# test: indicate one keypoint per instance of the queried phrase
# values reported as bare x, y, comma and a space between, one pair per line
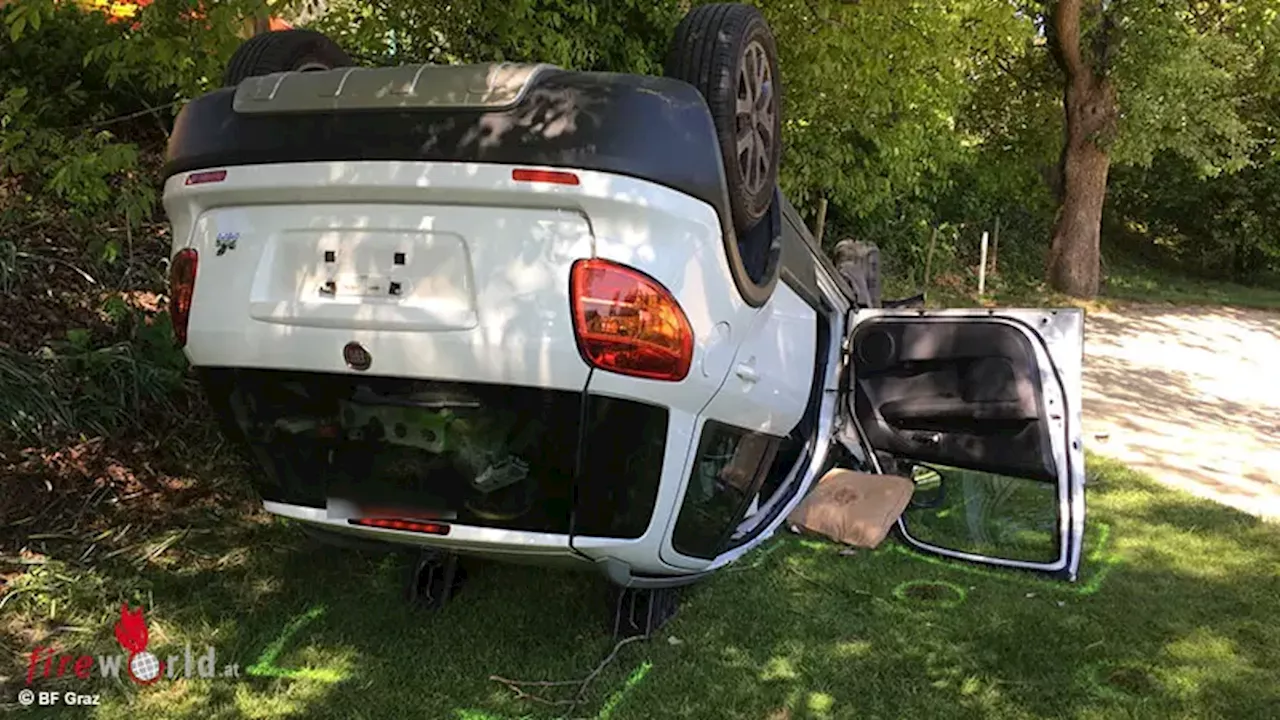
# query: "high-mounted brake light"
557, 177
208, 176
182, 284
406, 525
628, 323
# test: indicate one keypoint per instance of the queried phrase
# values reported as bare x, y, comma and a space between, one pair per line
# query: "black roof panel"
652, 128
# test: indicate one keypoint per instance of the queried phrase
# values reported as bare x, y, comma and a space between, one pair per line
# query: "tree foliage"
616, 35
906, 115
874, 91
1190, 79
1144, 78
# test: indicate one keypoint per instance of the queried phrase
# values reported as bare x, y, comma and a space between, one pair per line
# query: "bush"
1222, 227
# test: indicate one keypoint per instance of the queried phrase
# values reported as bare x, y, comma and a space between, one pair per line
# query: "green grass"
1150, 285
1126, 282
1175, 616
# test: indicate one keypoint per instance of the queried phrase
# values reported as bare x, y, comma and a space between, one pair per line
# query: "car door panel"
767, 387
937, 390
995, 397
745, 427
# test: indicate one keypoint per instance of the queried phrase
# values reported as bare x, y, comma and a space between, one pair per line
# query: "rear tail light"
405, 525
556, 177
207, 176
182, 283
626, 322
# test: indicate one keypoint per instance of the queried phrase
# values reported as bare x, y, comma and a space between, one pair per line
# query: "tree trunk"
1089, 104
1075, 252
821, 225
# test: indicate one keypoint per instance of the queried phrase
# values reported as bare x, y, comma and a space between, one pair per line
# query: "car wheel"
284, 51
727, 51
859, 262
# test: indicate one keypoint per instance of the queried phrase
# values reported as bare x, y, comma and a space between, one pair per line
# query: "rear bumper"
491, 543
524, 548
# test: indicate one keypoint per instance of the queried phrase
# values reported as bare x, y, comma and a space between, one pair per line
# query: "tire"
859, 262
283, 51
727, 51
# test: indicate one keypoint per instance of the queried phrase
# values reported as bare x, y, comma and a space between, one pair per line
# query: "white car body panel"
259, 305
508, 545
768, 383
779, 351
520, 327
502, 315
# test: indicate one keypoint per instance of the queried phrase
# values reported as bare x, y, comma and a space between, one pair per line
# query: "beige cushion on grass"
852, 507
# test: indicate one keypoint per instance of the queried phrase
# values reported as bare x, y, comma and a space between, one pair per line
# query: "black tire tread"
280, 50
696, 60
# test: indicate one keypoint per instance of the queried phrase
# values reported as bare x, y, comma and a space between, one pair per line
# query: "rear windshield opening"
472, 454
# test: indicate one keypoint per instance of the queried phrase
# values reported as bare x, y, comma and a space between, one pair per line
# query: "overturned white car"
567, 317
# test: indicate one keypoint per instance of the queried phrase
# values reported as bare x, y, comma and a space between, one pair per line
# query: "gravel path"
1191, 396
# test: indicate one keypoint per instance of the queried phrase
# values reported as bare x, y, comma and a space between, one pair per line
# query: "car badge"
226, 241
356, 356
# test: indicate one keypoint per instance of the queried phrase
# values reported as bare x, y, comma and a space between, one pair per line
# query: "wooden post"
928, 258
995, 246
262, 18
821, 225
982, 268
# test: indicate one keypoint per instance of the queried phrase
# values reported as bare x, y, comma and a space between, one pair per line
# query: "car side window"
984, 513
726, 475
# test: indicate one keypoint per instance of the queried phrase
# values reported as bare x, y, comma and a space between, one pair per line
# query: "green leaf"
110, 252
79, 338
17, 22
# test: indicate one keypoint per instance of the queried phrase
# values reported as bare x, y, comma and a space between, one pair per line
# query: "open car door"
981, 408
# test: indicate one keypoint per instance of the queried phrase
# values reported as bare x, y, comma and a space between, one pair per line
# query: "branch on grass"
517, 686
514, 686
837, 590
60, 261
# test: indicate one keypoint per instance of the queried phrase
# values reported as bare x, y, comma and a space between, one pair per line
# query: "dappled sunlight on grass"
179, 698
1146, 284
778, 668
1123, 284
850, 649
820, 704
1013, 645
294, 698
1203, 658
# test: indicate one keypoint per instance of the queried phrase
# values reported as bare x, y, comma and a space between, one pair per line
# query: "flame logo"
131, 630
